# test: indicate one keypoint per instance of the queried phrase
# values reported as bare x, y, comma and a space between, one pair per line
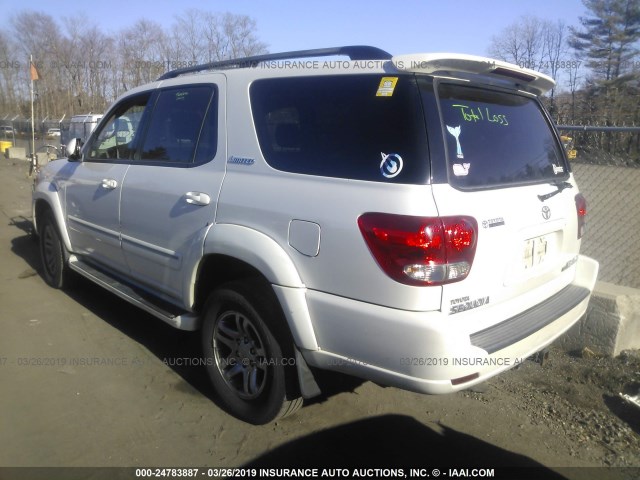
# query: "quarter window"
363, 127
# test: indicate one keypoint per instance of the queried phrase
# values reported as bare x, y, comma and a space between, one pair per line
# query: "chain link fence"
613, 220
17, 131
604, 145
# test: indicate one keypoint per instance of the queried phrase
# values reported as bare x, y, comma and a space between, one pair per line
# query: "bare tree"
554, 48
10, 91
188, 34
520, 43
213, 38
140, 54
240, 39
573, 71
38, 34
203, 37
83, 69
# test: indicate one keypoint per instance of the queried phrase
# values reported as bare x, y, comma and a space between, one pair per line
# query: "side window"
361, 127
176, 128
118, 136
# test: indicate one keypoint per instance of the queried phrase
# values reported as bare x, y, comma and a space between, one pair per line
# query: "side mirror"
74, 148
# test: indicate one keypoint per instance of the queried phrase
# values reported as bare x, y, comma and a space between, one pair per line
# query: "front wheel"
249, 353
54, 269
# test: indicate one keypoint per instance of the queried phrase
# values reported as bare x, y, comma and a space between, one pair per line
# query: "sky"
400, 26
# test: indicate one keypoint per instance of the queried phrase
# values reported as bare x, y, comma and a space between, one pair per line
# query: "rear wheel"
250, 353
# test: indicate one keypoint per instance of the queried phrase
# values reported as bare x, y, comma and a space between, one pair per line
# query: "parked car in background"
53, 132
6, 131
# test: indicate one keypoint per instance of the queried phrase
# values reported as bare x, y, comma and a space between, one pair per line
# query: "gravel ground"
576, 395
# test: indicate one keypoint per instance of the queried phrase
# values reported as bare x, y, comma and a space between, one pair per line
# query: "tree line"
81, 69
596, 65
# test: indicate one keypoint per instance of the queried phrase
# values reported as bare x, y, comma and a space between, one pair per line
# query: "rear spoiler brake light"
448, 63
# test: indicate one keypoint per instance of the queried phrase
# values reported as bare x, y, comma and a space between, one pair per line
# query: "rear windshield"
497, 139
362, 127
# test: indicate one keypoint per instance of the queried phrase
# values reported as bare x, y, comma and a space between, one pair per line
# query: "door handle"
109, 183
197, 198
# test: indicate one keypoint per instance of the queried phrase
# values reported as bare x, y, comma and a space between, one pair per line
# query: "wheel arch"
43, 203
234, 252
217, 269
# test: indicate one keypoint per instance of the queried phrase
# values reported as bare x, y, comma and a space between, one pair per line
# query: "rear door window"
363, 127
177, 124
497, 139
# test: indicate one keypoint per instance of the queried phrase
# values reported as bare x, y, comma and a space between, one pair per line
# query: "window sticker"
391, 165
456, 131
557, 169
387, 86
461, 169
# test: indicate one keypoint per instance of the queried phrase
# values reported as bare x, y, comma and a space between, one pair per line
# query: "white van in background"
80, 126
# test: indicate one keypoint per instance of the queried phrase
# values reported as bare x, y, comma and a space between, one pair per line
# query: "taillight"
581, 209
421, 250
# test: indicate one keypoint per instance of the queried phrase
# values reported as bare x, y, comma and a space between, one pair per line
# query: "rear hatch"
501, 163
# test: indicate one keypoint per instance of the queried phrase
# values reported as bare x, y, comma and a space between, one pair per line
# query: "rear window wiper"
561, 186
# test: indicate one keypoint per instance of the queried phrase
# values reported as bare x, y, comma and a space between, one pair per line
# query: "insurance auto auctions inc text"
374, 472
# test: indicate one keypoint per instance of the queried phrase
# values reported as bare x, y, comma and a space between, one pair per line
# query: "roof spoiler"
446, 63
354, 52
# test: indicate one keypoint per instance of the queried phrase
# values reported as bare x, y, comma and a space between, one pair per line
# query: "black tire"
54, 265
249, 353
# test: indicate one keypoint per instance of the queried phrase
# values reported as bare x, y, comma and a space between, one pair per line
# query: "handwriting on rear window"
481, 114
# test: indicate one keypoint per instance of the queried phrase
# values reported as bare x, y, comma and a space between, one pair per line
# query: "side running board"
168, 313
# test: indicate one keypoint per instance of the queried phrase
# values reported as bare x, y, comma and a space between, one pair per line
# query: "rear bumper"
428, 352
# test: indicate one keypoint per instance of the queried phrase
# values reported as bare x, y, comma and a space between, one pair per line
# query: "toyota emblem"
546, 212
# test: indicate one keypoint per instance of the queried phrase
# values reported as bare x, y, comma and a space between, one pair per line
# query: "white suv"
412, 220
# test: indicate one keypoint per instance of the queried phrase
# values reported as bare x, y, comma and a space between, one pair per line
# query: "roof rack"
354, 52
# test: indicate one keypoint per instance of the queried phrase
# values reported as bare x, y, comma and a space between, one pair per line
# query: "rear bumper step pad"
530, 321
